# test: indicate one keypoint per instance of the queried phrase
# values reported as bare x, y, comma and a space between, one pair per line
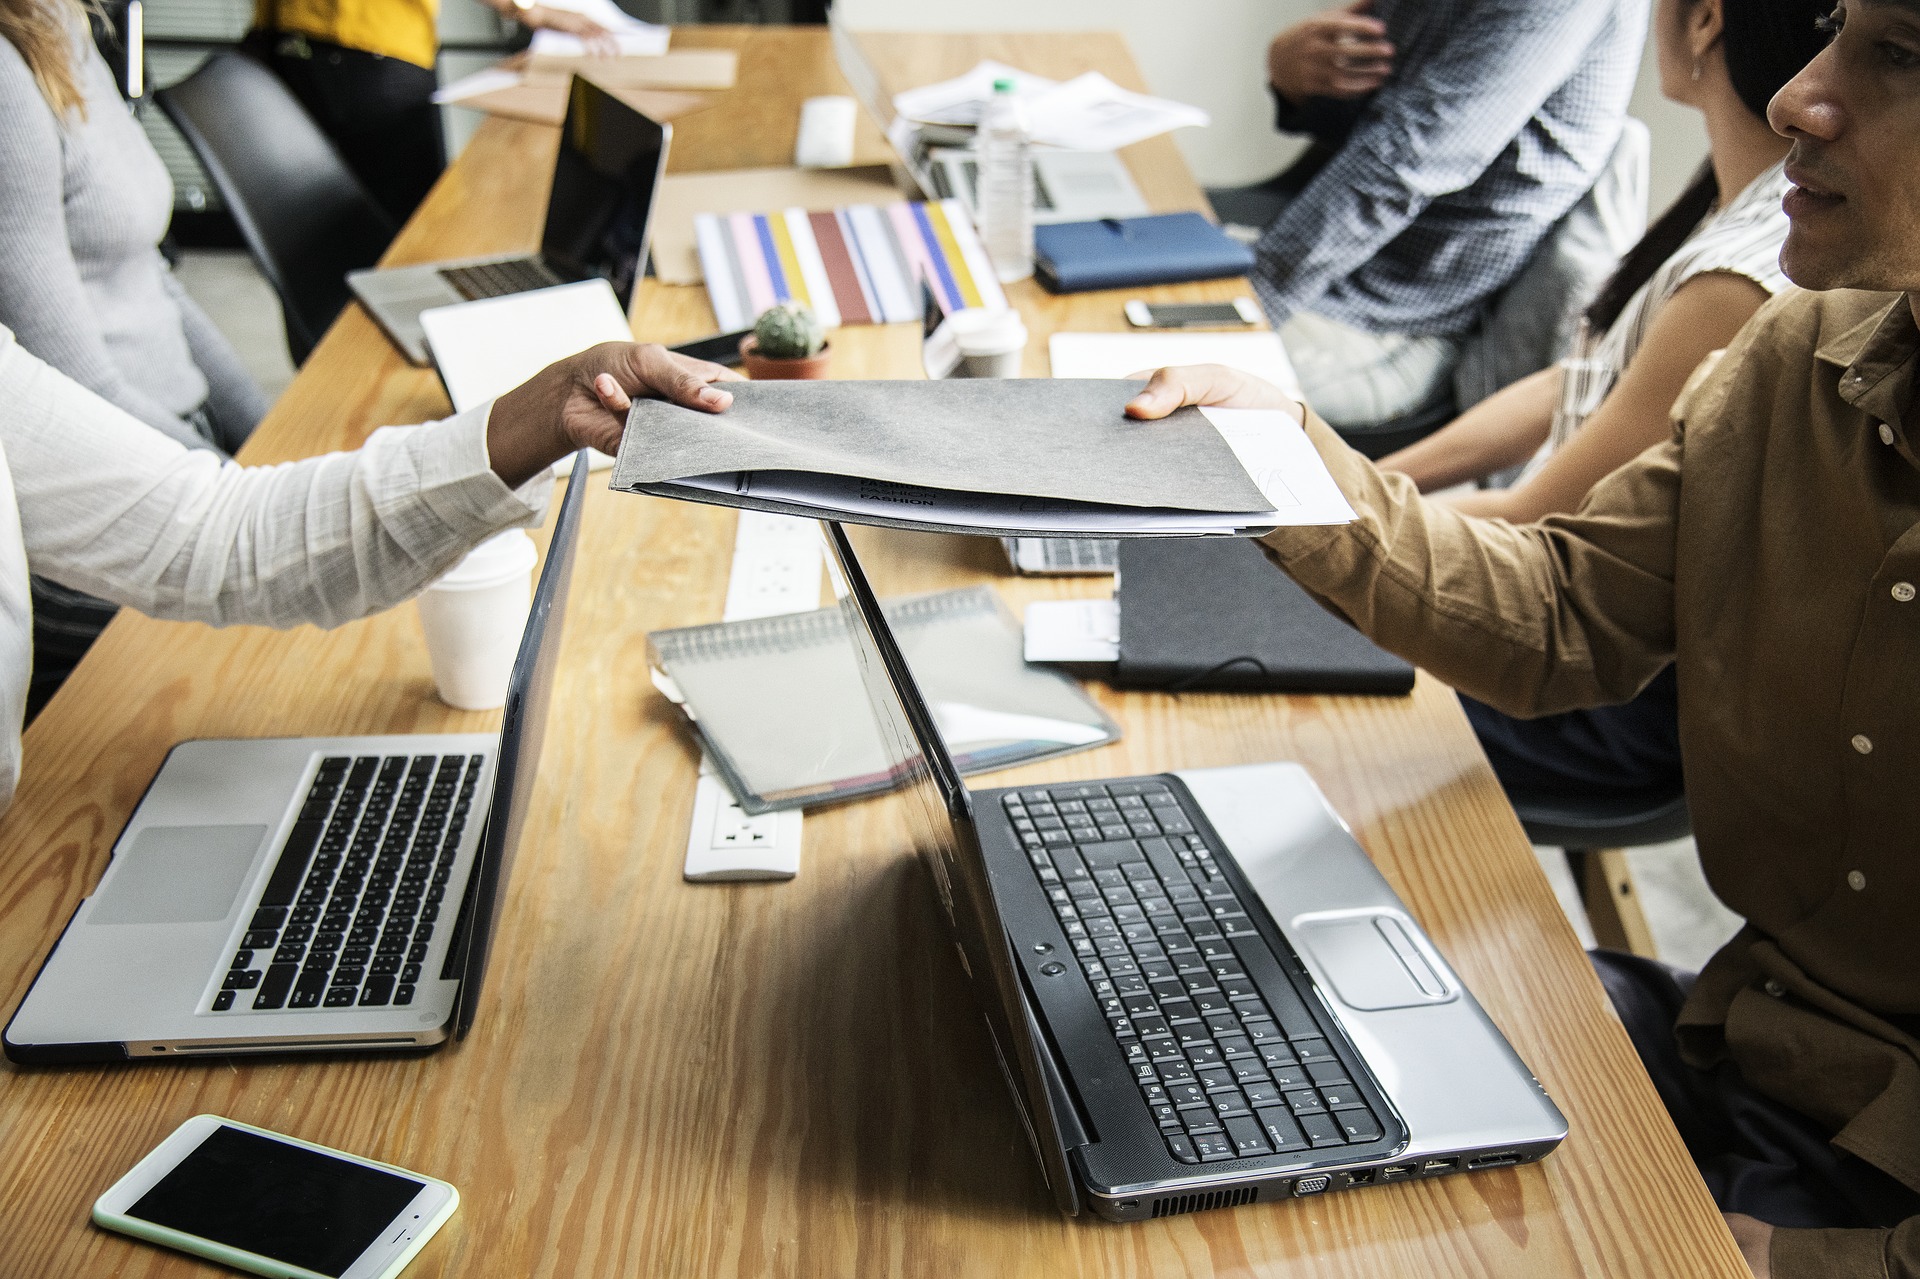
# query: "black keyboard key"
1110, 854
1275, 1055
341, 996
1233, 1102
1181, 1148
378, 992
1262, 1093
349, 975
241, 979
1326, 1072
1212, 1146
1247, 1069
223, 1001
260, 940
1203, 1054
1358, 1125
403, 994
275, 985
1341, 1097
268, 918
1235, 1047
1321, 1130
1165, 1115
1305, 1101
1247, 1136
292, 866
1150, 1027
1281, 1131
1164, 1050
1238, 926
242, 959
1312, 1050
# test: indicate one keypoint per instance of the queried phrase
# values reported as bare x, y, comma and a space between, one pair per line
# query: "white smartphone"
273, 1205
1192, 315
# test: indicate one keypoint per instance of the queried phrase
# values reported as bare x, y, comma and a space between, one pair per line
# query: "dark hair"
1766, 43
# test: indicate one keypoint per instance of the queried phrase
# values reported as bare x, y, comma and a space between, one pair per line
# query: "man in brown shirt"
1771, 550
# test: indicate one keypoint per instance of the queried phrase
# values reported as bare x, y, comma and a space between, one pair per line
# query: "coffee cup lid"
984, 332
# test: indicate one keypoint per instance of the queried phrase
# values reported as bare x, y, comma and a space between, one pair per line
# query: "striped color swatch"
857, 265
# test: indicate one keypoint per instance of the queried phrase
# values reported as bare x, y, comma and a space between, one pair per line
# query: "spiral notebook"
779, 705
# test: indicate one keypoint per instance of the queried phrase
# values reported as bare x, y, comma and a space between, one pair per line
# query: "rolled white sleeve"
111, 507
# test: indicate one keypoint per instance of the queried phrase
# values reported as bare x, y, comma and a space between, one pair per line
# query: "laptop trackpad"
178, 875
1371, 963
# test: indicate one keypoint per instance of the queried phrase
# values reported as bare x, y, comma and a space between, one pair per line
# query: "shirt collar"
1878, 356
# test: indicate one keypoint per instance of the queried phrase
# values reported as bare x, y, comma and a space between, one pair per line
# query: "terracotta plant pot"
765, 369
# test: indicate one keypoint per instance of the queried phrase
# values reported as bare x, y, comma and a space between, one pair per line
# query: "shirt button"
1856, 881
1903, 591
1886, 433
1774, 988
1863, 743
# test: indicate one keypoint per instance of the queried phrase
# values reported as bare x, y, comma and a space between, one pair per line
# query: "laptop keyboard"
1229, 1071
498, 279
352, 903
1091, 554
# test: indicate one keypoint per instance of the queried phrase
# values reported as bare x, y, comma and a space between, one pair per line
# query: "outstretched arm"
109, 507
1574, 612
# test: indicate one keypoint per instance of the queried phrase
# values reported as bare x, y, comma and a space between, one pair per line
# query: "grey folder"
960, 452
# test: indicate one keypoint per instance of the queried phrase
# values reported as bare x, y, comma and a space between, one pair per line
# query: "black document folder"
1214, 613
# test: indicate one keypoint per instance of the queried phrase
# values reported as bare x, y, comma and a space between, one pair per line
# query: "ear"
1706, 23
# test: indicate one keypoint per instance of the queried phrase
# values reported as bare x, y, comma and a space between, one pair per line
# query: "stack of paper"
1087, 113
632, 37
1005, 457
857, 265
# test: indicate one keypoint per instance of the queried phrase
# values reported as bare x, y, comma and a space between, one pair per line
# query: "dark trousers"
1613, 749
1757, 1156
377, 110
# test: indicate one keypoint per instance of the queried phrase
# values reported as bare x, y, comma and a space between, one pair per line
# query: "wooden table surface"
787, 1078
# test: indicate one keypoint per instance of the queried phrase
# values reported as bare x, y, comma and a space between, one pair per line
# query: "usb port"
1362, 1178
1494, 1161
1433, 1166
1391, 1171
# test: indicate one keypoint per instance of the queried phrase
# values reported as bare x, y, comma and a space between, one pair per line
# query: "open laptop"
605, 180
1200, 989
295, 894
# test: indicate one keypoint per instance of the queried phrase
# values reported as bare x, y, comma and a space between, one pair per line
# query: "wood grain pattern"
773, 1079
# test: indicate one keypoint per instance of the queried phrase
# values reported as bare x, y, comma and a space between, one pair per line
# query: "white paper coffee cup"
990, 342
474, 617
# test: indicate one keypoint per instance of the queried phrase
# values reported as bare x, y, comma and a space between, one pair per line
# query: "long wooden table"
776, 1079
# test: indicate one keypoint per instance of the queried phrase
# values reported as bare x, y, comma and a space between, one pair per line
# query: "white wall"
1212, 53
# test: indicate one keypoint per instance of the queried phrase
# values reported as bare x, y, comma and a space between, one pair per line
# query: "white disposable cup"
474, 617
991, 343
825, 137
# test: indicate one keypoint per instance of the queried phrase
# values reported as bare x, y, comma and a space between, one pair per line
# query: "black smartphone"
721, 348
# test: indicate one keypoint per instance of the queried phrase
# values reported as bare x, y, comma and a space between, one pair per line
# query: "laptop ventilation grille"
1177, 1204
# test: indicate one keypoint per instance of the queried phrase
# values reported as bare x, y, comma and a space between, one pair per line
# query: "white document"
486, 348
635, 38
1092, 113
492, 80
1121, 355
964, 725
961, 100
1073, 631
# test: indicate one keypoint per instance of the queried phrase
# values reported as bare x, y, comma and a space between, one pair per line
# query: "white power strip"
776, 569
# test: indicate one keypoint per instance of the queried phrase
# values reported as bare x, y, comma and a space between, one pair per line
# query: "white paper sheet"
1124, 354
492, 80
1072, 631
1092, 113
635, 38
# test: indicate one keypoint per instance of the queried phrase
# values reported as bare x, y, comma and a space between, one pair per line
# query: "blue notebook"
1119, 253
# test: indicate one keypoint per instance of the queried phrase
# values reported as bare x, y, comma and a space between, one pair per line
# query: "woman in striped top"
1697, 276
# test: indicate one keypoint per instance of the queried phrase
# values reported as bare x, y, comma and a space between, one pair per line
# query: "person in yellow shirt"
364, 70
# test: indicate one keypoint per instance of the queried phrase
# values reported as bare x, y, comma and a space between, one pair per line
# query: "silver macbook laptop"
1062, 556
605, 180
1068, 186
1200, 990
299, 894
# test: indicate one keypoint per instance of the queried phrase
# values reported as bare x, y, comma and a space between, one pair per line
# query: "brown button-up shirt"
1771, 549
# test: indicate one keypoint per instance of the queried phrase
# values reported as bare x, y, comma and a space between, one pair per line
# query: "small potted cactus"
787, 342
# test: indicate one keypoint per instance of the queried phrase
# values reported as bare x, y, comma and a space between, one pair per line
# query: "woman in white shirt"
97, 501
1697, 276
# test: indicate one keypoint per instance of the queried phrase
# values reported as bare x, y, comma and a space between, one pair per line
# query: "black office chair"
1595, 831
304, 216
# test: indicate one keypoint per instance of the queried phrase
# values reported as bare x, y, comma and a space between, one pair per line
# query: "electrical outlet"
777, 563
726, 843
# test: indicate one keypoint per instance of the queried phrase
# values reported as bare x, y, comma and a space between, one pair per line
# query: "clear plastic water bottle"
1006, 183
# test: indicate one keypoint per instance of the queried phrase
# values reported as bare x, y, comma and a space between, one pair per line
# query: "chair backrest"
1532, 323
305, 217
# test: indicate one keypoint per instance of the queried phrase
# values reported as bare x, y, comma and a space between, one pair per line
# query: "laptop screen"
941, 816
523, 729
604, 182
